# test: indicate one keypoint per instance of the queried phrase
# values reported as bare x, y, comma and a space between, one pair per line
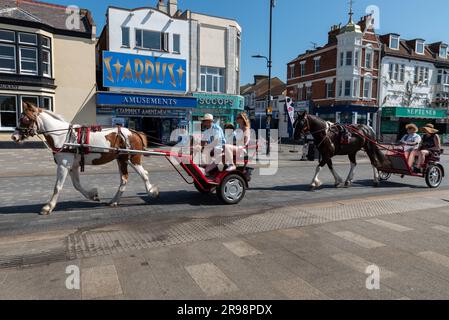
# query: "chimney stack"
172, 7
161, 6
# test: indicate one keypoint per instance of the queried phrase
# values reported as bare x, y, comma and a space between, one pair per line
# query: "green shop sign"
219, 101
427, 113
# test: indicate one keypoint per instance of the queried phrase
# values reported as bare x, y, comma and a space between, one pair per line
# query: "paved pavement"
281, 242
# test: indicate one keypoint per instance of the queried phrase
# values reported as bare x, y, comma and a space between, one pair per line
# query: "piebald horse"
327, 138
57, 132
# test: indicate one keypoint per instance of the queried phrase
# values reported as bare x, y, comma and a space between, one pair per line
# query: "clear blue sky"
297, 23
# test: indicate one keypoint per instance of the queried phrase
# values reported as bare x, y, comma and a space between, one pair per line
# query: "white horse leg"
75, 176
350, 177
315, 181
152, 191
376, 176
123, 167
338, 179
62, 172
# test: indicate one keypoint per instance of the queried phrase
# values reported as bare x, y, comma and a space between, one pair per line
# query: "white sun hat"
207, 116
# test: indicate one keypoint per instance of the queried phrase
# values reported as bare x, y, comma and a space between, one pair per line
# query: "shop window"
8, 112
151, 40
7, 58
212, 80
28, 61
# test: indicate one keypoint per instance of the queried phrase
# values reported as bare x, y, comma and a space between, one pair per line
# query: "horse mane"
54, 115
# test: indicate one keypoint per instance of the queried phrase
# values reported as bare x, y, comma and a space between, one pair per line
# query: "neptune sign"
143, 72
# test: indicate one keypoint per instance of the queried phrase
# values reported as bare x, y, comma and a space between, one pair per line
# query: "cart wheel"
384, 176
200, 190
232, 189
434, 176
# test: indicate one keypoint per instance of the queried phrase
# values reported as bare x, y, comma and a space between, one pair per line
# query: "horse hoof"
113, 204
96, 198
45, 211
154, 192
348, 184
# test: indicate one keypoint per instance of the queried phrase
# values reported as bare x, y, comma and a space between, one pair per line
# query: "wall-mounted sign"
401, 112
108, 99
149, 112
122, 70
219, 101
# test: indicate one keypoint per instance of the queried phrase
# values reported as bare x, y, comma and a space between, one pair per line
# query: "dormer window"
419, 49
394, 42
443, 51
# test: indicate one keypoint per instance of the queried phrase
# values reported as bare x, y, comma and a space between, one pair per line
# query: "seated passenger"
411, 143
430, 143
212, 141
242, 137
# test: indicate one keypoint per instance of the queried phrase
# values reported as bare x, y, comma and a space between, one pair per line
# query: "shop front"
156, 116
223, 107
394, 120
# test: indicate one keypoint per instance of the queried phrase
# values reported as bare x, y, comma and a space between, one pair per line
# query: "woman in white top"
411, 143
242, 137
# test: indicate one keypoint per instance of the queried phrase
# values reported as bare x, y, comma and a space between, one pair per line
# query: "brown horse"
330, 141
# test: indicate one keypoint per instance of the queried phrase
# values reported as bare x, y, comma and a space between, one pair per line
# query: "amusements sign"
122, 70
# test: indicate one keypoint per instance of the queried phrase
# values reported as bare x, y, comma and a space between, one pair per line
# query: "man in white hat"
213, 140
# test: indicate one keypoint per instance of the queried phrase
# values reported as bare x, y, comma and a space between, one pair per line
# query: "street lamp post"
269, 109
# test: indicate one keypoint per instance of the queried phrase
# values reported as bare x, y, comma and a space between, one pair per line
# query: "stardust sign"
121, 70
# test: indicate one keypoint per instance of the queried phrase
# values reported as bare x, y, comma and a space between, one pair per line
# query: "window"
8, 112
46, 63
347, 88
440, 77
391, 71
367, 88
329, 90
299, 96
47, 103
422, 75
46, 42
151, 40
394, 42
355, 90
356, 58
303, 68
212, 79
316, 65
28, 61
419, 47
176, 43
309, 93
125, 37
292, 71
342, 59
340, 88
27, 38
7, 58
443, 52
402, 72
349, 58
368, 59
7, 36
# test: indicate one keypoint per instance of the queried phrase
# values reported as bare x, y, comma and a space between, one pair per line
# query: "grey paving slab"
211, 279
101, 281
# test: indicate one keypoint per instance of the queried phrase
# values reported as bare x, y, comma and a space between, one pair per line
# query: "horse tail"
375, 154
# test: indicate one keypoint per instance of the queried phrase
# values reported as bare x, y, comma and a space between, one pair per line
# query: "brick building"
340, 80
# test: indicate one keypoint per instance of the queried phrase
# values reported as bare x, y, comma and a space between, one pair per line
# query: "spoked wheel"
232, 189
434, 176
384, 176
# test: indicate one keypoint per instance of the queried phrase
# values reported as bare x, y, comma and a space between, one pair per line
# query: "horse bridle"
26, 130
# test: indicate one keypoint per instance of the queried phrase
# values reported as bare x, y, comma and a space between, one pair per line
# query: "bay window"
8, 112
367, 88
7, 58
368, 59
349, 58
28, 60
347, 88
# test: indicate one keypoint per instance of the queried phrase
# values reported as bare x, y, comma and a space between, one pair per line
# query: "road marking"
435, 258
441, 228
241, 249
99, 282
359, 264
210, 279
389, 225
298, 289
293, 233
359, 240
